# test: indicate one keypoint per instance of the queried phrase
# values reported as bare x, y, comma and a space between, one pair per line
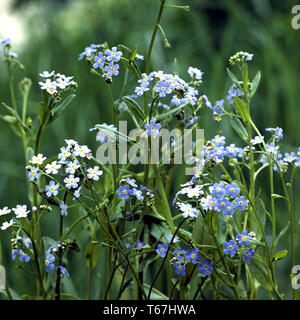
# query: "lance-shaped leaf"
239, 128
57, 110
134, 107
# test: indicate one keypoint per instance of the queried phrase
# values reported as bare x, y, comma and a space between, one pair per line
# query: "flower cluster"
139, 245
232, 247
54, 83
130, 188
181, 257
240, 57
6, 43
224, 197
165, 84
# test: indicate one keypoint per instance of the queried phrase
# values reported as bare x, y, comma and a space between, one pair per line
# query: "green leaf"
280, 255
255, 84
260, 273
234, 79
160, 232
9, 119
91, 254
200, 233
282, 234
57, 110
135, 107
262, 213
167, 114
15, 114
146, 261
242, 109
239, 128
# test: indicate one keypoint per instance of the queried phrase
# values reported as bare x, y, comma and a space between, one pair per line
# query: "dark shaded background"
57, 31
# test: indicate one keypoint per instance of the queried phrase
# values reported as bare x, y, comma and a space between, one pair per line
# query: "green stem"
162, 3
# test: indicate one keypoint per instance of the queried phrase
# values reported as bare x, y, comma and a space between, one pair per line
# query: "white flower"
257, 140
52, 168
62, 83
52, 89
71, 142
4, 211
39, 159
71, 182
46, 74
21, 211
64, 154
195, 72
6, 224
51, 189
195, 192
94, 173
72, 166
81, 151
47, 84
188, 211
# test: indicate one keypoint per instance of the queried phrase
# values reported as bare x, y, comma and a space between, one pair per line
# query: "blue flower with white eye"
231, 151
128, 245
179, 268
218, 189
241, 203
205, 268
141, 90
64, 271
180, 254
99, 61
244, 237
218, 141
176, 101
226, 206
14, 254
88, 51
153, 128
289, 157
64, 208
49, 263
112, 69
163, 88
272, 149
162, 250
125, 192
230, 248
138, 194
27, 242
193, 255
218, 107
113, 54
232, 190
192, 121
131, 182
233, 92
278, 132
146, 79
24, 256
34, 174
248, 255
140, 245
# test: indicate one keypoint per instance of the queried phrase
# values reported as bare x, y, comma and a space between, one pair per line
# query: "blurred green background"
53, 33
